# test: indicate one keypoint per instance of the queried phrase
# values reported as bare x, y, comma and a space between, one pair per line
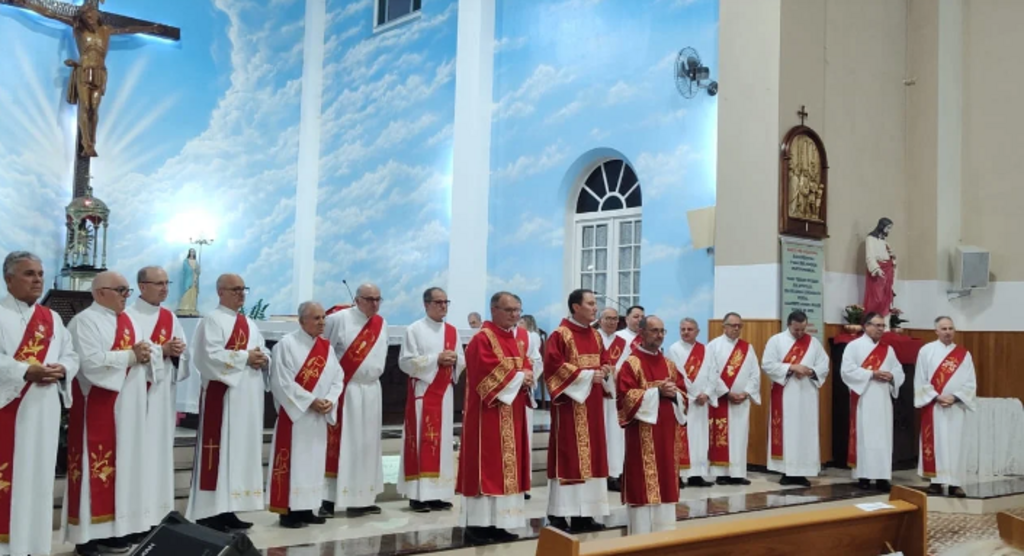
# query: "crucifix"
211, 450
803, 114
92, 30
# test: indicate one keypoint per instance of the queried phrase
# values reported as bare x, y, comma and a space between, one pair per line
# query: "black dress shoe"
439, 505
419, 507
478, 535
232, 521
786, 481
291, 521
614, 484
526, 496
722, 481
682, 483
559, 523
802, 481
739, 481
216, 523
883, 486
87, 549
114, 545
585, 525
372, 510
307, 516
326, 509
698, 482
934, 489
355, 513
136, 538
957, 492
864, 483
501, 535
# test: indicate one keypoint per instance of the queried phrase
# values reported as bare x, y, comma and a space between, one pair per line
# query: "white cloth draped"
614, 435
36, 429
993, 438
424, 341
874, 409
92, 333
360, 473
161, 417
308, 450
697, 415
748, 381
240, 471
800, 449
950, 458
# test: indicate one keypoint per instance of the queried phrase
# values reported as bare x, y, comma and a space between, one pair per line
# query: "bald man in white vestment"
37, 364
874, 375
703, 391
306, 381
797, 366
432, 356
161, 326
106, 498
944, 390
355, 474
233, 361
739, 375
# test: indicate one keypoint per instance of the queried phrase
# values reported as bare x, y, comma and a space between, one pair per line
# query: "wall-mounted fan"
692, 76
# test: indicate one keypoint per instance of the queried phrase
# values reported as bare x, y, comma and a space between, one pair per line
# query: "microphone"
613, 300
349, 291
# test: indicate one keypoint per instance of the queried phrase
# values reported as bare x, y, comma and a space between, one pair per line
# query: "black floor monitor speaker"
176, 536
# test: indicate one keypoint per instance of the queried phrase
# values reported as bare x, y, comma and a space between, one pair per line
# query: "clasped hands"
143, 352
174, 347
321, 406
602, 373
946, 400
447, 358
738, 397
665, 388
801, 371
881, 376
257, 359
44, 374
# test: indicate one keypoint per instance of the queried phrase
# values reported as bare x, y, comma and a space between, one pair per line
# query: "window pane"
382, 12
602, 259
624, 288
625, 258
625, 233
588, 281
637, 236
587, 264
636, 257
612, 203
398, 8
636, 283
601, 284
588, 236
602, 235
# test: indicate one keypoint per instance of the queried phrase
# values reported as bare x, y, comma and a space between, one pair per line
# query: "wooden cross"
89, 77
803, 114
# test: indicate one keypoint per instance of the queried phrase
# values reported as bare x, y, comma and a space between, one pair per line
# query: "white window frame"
415, 14
612, 219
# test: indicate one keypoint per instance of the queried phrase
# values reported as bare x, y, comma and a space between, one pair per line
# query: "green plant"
257, 311
894, 318
854, 314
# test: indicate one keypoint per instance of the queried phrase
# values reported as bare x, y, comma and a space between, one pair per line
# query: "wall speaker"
970, 268
176, 536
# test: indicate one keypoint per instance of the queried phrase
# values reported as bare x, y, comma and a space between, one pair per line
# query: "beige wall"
993, 192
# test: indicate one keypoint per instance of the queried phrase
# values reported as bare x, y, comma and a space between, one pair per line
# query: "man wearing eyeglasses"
162, 328
105, 502
738, 374
874, 375
354, 473
232, 359
432, 357
37, 364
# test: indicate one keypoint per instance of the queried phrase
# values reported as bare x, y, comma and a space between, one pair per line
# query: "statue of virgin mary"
190, 286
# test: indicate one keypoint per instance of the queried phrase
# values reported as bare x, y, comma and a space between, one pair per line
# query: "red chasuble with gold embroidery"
940, 379
649, 473
577, 449
494, 459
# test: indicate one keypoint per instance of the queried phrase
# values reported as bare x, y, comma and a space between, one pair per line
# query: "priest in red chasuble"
652, 410
494, 462
37, 365
577, 456
944, 390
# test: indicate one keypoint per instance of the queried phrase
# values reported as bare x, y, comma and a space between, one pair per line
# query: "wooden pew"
845, 531
1011, 529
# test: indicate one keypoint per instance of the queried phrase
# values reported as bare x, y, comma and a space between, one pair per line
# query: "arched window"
607, 231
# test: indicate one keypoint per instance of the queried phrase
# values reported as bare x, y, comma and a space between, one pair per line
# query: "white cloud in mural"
539, 231
551, 314
506, 44
521, 101
660, 171
353, 7
517, 284
696, 303
565, 112
655, 252
660, 119
599, 134
398, 131
444, 134
529, 165
621, 92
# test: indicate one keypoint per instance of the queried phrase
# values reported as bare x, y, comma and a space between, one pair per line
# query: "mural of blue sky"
196, 139
386, 153
578, 79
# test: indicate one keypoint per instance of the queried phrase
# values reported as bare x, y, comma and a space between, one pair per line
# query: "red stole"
615, 349
718, 452
163, 330
427, 463
692, 368
872, 363
307, 377
350, 362
794, 356
94, 415
940, 379
213, 412
35, 344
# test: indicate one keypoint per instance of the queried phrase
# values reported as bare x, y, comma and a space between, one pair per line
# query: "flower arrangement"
854, 314
894, 319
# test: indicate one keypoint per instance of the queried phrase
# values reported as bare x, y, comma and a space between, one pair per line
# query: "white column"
471, 167
309, 150
950, 131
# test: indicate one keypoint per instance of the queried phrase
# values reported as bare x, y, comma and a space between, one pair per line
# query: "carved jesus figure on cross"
92, 30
